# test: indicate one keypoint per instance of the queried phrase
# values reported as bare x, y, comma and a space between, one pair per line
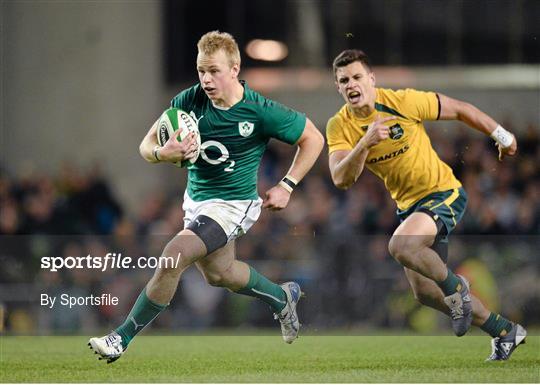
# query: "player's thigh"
217, 262
418, 223
417, 231
180, 252
186, 246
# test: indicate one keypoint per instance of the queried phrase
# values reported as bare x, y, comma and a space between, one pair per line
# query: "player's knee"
172, 261
402, 248
219, 277
216, 279
175, 256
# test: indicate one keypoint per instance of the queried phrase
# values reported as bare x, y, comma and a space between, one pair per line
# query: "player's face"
216, 75
356, 84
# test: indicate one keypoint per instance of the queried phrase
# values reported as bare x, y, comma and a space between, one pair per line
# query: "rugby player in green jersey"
221, 201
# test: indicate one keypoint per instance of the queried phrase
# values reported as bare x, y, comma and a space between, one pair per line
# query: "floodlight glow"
267, 50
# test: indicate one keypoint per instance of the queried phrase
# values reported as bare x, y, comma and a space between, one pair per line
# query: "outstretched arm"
453, 109
310, 146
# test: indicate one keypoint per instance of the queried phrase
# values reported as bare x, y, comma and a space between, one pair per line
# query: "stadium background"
83, 81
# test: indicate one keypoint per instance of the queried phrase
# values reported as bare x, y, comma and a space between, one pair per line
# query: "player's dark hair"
350, 56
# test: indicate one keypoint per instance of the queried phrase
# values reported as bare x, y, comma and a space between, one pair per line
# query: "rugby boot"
288, 317
108, 347
460, 307
503, 347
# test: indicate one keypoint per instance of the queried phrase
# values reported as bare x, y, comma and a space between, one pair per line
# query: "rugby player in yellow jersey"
382, 130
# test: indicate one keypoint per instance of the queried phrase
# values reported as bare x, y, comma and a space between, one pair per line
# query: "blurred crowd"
502, 196
324, 235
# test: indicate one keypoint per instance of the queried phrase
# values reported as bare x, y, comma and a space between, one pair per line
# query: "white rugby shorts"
234, 217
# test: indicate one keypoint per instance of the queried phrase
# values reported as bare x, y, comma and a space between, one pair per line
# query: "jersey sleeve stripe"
438, 106
388, 110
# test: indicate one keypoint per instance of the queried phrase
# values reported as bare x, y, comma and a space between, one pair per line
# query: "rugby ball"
172, 120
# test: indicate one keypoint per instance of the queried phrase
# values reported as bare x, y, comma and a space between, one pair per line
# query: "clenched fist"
376, 132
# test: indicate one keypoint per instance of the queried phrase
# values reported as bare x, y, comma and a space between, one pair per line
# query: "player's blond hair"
213, 41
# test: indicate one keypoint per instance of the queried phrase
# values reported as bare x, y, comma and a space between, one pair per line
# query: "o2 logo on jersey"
224, 157
396, 132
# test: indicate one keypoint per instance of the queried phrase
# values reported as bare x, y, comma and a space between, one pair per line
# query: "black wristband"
289, 182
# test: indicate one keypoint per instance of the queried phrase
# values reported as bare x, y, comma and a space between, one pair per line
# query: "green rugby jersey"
233, 141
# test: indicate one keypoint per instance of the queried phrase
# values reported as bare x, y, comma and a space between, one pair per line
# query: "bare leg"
410, 247
162, 286
221, 268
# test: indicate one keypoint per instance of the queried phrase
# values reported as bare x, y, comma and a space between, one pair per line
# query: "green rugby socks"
143, 312
261, 287
496, 325
451, 284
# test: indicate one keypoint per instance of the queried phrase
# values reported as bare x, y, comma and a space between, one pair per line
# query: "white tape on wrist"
156, 153
288, 183
502, 137
291, 178
286, 186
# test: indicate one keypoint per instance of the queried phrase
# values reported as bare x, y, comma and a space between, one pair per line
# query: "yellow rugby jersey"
405, 161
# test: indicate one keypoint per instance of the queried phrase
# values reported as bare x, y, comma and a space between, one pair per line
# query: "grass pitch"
267, 359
